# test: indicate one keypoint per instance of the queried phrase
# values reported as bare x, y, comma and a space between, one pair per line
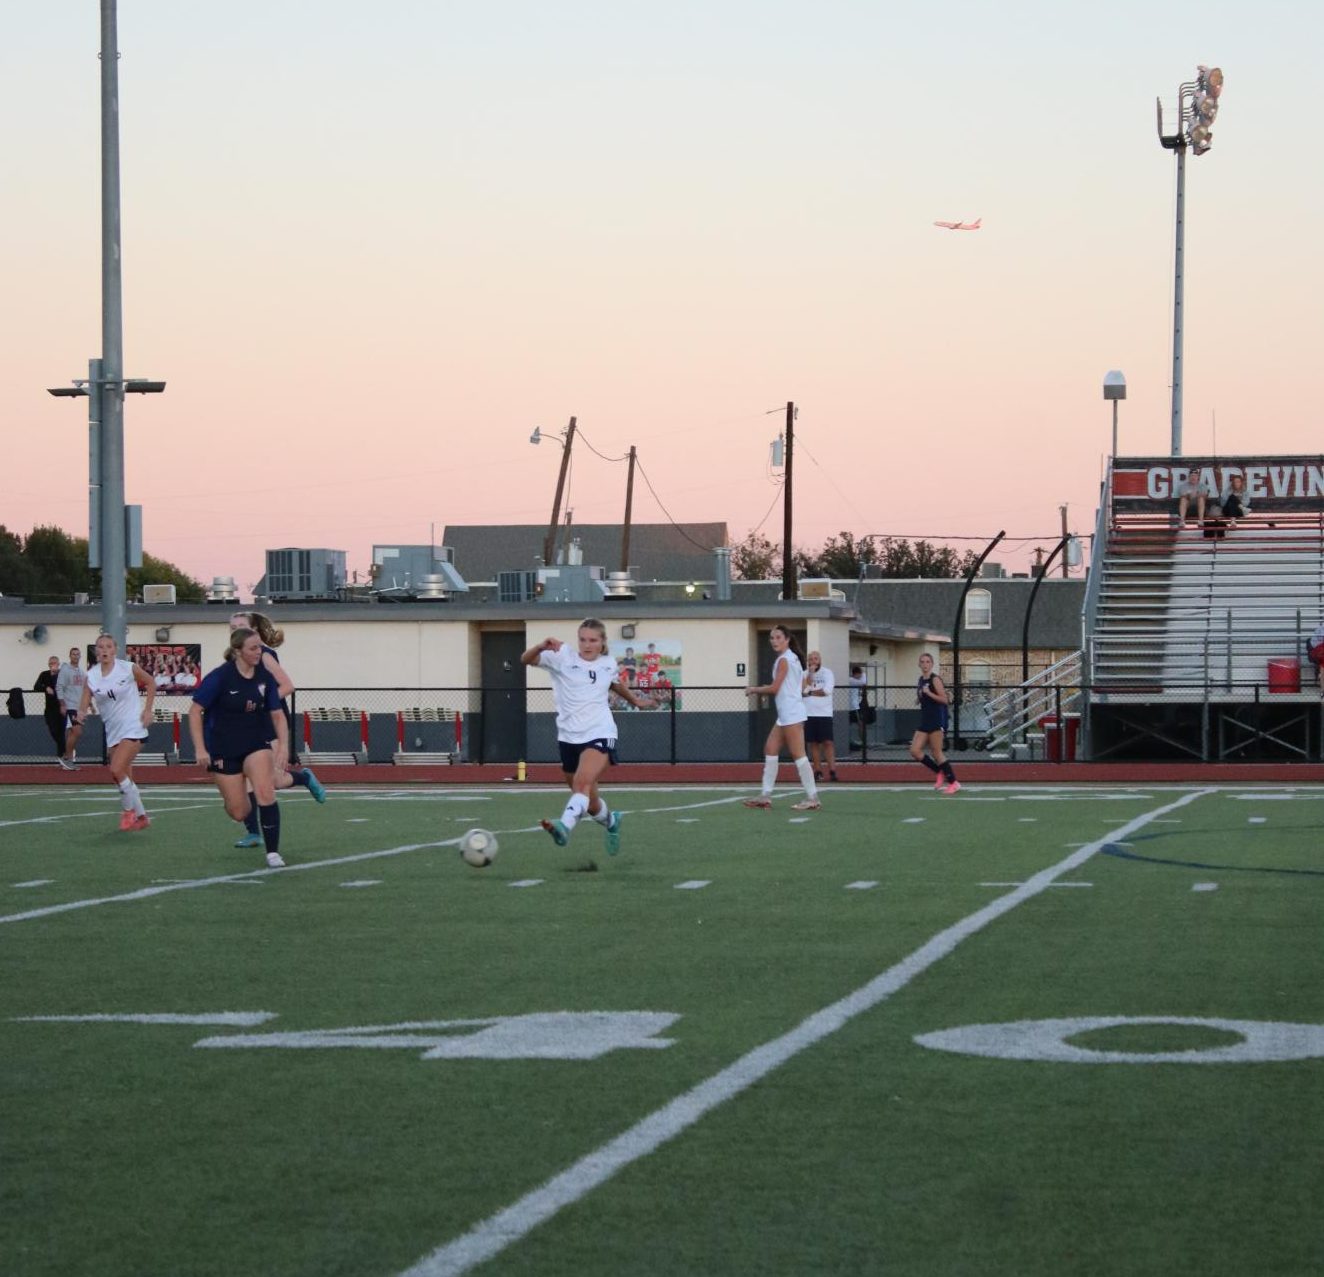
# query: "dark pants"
55, 725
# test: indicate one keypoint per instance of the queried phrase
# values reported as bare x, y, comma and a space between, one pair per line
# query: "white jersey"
820, 680
118, 702
580, 688
790, 700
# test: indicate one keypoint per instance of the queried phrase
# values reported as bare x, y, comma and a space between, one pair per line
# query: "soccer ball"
478, 848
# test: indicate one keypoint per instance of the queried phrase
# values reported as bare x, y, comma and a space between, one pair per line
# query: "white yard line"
509, 1225
110, 811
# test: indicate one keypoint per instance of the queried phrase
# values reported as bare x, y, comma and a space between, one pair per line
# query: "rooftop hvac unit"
517, 587
158, 593
816, 588
222, 590
432, 585
620, 585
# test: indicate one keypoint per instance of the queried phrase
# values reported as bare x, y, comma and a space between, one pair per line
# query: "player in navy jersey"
289, 771
933, 699
235, 715
582, 680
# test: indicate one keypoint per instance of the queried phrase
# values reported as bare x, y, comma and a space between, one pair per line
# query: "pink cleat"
808, 804
126, 821
953, 788
141, 822
760, 802
940, 782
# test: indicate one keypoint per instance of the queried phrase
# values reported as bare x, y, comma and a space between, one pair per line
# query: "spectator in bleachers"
1315, 653
1190, 490
1234, 501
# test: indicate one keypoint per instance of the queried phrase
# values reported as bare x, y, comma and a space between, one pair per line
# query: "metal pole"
1029, 607
549, 545
1114, 429
956, 634
629, 505
94, 480
788, 556
113, 550
1179, 259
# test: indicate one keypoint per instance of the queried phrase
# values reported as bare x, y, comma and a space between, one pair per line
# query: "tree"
15, 577
755, 559
57, 564
51, 566
842, 556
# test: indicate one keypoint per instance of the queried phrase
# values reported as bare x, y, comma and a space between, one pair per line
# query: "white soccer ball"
479, 848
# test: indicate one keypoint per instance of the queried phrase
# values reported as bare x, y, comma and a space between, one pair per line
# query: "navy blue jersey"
236, 711
932, 714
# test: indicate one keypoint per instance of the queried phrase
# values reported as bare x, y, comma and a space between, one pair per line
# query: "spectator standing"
819, 685
69, 688
51, 709
858, 684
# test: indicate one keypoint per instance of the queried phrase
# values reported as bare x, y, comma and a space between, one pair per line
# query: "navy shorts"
233, 766
818, 730
570, 753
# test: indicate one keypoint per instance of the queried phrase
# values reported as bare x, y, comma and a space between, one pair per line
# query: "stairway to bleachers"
1179, 611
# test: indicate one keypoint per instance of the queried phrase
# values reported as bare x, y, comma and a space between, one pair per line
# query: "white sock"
769, 774
574, 809
603, 814
806, 771
130, 798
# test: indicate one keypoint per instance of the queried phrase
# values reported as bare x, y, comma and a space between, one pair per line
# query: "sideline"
492, 1235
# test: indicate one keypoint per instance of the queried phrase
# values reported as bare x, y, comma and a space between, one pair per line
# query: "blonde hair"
237, 640
592, 623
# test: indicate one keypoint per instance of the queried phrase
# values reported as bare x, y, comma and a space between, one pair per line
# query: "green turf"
126, 1149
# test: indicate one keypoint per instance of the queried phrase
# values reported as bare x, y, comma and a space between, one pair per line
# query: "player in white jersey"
582, 679
114, 686
786, 689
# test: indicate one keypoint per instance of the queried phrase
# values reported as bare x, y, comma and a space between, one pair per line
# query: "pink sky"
369, 256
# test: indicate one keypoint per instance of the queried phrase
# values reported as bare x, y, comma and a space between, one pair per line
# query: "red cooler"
1285, 675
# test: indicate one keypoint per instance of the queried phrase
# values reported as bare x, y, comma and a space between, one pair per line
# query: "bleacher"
1187, 615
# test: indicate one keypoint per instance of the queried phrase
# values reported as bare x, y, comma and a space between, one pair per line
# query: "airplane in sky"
960, 226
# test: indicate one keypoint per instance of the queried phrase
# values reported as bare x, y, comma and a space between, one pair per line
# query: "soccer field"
1022, 1030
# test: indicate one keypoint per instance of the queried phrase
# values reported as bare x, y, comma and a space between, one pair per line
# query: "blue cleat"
315, 786
614, 834
560, 834
250, 840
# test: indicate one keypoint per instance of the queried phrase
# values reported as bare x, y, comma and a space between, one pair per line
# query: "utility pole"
549, 545
1065, 537
788, 557
629, 504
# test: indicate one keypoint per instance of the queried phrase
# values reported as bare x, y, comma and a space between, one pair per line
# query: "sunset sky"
370, 248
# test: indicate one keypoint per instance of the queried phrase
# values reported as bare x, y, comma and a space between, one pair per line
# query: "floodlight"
536, 436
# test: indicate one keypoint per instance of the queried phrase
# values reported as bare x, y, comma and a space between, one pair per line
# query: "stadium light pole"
106, 386
1197, 106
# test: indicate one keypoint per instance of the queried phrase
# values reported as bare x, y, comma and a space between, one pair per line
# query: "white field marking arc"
860, 886
491, 1236
694, 884
1047, 1040
145, 893
1204, 886
35, 882
527, 882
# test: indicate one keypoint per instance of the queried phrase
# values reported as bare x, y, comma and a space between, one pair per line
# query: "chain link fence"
1277, 718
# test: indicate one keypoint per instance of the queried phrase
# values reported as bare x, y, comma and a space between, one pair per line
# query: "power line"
638, 465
